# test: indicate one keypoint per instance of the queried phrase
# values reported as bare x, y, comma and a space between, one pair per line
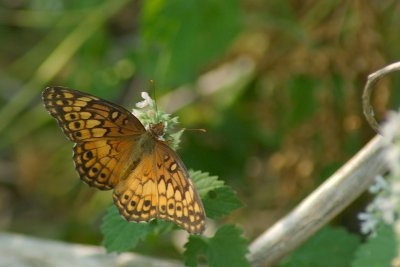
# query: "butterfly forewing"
103, 132
100, 163
84, 117
149, 181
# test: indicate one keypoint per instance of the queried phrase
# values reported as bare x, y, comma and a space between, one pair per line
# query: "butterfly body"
147, 142
113, 150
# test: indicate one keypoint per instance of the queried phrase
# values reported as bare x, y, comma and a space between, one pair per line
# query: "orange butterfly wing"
104, 133
84, 117
101, 163
136, 196
152, 183
160, 187
178, 200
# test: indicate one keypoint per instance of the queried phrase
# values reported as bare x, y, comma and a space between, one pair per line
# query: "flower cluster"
146, 111
385, 207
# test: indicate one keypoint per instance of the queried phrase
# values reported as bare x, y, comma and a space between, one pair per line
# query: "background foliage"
277, 85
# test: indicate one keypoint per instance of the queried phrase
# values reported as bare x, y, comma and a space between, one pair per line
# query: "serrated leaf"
220, 202
195, 247
378, 251
120, 235
218, 199
204, 182
226, 249
330, 247
176, 139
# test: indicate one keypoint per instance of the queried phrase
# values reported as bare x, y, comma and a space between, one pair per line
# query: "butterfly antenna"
153, 89
195, 129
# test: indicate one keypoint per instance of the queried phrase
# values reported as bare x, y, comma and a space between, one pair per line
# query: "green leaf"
220, 202
378, 251
330, 247
204, 182
121, 235
218, 199
195, 247
226, 249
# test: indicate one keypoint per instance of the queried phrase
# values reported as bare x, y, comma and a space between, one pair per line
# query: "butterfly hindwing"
136, 196
84, 117
178, 200
160, 187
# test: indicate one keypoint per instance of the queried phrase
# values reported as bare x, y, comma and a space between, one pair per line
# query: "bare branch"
369, 86
23, 251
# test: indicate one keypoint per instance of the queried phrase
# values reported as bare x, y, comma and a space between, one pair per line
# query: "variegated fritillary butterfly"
113, 150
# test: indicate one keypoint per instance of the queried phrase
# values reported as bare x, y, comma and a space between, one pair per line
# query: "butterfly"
113, 150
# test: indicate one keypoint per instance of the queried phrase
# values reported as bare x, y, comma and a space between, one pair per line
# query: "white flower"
144, 108
147, 102
386, 205
379, 185
391, 128
368, 222
391, 134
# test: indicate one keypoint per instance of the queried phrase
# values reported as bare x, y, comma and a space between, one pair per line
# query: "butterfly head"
157, 129
160, 125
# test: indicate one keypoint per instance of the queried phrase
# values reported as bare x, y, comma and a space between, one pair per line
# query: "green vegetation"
276, 84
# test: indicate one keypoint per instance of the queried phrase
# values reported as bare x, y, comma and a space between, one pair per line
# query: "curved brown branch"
369, 86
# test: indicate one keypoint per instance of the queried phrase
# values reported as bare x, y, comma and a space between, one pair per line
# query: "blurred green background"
277, 84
